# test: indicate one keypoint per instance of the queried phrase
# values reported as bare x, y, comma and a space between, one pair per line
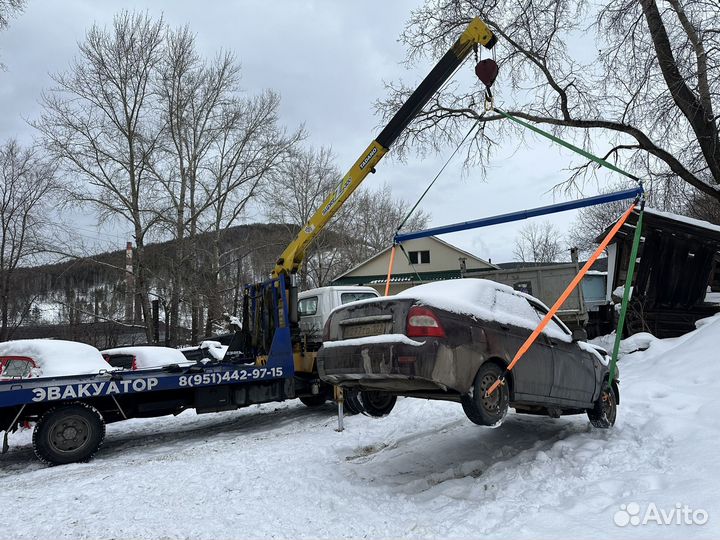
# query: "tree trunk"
5, 306
142, 286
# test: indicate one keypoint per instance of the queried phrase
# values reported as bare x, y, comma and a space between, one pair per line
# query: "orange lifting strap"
564, 296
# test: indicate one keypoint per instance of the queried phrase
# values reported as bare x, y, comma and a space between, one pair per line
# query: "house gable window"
419, 257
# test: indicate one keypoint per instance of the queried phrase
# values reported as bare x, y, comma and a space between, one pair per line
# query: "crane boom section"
476, 33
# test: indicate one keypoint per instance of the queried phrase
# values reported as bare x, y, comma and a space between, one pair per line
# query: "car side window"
308, 306
555, 327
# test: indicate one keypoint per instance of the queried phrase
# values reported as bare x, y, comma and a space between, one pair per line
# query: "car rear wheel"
68, 434
313, 401
604, 413
351, 402
377, 403
486, 410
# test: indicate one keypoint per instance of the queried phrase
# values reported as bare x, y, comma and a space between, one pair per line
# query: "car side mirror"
579, 334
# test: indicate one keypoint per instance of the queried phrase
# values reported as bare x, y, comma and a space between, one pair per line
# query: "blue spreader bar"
522, 214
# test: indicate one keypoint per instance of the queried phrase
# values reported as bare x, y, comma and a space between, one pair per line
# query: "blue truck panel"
133, 382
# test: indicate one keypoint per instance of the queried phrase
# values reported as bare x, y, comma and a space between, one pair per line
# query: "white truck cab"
314, 305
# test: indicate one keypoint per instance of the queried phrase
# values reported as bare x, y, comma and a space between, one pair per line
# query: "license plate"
363, 330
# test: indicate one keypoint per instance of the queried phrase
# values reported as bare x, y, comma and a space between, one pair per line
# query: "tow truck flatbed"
71, 411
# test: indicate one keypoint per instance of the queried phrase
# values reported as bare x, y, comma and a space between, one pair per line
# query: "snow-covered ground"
425, 471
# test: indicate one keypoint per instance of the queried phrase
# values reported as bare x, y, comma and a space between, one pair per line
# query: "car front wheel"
486, 410
603, 414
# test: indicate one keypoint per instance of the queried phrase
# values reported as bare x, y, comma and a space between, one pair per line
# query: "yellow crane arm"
476, 33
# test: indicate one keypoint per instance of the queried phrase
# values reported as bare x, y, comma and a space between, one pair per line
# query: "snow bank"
424, 471
637, 342
483, 299
147, 357
57, 358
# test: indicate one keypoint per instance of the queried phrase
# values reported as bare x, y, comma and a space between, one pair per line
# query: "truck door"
310, 310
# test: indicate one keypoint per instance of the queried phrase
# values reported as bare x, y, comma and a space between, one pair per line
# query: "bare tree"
28, 190
650, 84
100, 123
364, 226
538, 242
296, 191
250, 149
193, 94
703, 207
375, 218
8, 10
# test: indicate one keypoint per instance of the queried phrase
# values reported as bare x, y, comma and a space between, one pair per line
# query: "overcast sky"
328, 60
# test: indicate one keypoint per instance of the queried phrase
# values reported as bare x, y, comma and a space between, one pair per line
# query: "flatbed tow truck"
269, 360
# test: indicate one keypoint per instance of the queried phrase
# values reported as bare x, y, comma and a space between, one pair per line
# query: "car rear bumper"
396, 367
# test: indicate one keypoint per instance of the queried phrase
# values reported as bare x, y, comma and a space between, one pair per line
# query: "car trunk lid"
364, 319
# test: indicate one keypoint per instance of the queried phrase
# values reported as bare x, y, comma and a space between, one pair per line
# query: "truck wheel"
377, 403
603, 414
486, 410
68, 434
313, 401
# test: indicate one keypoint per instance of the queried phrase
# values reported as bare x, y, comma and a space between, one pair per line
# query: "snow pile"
57, 358
484, 299
424, 471
637, 342
147, 357
215, 349
684, 219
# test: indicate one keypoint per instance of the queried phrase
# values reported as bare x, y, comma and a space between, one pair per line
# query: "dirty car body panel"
369, 346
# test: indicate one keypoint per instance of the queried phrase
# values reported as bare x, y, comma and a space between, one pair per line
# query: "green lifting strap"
626, 293
584, 153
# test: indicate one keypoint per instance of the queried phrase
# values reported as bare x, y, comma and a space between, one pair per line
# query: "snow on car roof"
57, 358
478, 298
214, 349
150, 357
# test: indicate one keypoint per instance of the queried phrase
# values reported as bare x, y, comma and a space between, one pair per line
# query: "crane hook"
487, 71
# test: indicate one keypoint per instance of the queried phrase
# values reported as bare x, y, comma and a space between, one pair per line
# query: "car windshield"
17, 368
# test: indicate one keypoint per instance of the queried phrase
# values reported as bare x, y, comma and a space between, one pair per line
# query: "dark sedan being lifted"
451, 340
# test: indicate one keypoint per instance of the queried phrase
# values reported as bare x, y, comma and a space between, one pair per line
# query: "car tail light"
326, 330
422, 322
